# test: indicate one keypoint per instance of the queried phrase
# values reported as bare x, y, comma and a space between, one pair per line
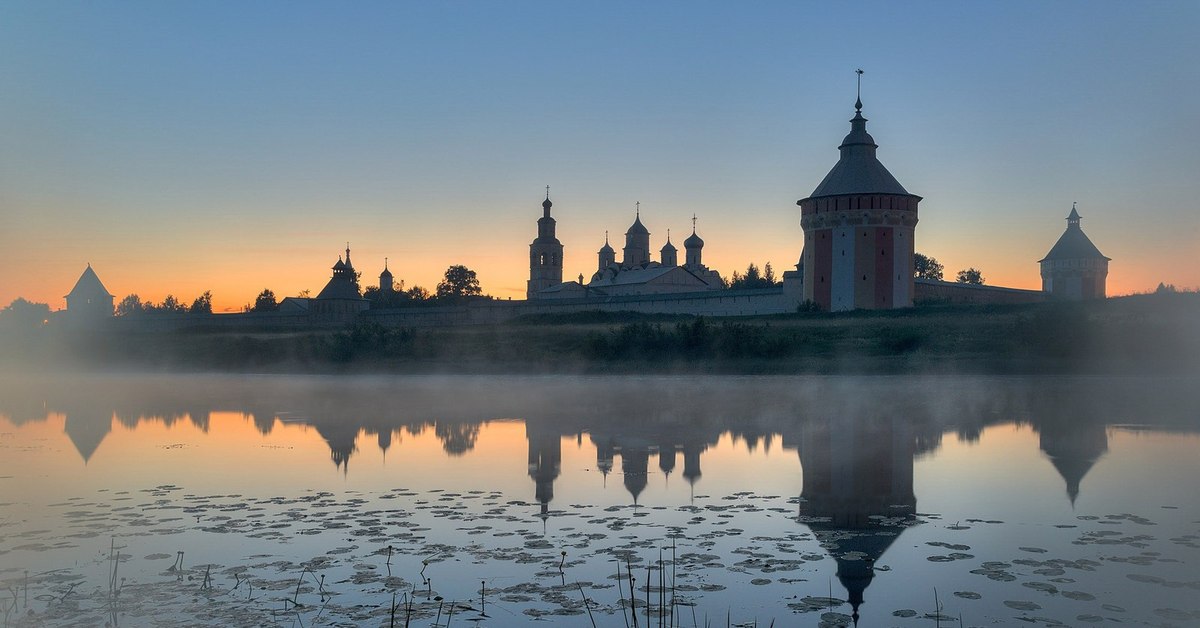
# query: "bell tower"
545, 254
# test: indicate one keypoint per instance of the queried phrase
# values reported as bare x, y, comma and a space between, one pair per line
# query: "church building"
859, 225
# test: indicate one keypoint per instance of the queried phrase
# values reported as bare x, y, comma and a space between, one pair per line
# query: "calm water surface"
497, 501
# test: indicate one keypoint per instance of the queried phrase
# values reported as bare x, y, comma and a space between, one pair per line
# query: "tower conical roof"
1073, 243
858, 170
88, 285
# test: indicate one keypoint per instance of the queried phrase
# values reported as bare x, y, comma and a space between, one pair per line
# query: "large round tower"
858, 231
545, 254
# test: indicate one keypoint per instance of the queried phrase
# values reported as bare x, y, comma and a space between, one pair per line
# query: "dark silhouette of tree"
417, 293
459, 282
971, 276
754, 278
457, 439
265, 302
170, 305
24, 314
131, 305
202, 304
926, 267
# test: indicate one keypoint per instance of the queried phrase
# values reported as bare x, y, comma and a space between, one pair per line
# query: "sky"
180, 147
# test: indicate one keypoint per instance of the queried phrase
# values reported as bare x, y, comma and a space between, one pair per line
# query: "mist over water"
799, 499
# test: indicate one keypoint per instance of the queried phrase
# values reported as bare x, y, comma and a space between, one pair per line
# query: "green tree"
171, 305
24, 314
131, 305
754, 278
459, 282
926, 267
202, 304
265, 302
971, 276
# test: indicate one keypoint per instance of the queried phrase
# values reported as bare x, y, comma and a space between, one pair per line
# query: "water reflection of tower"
545, 461
86, 427
855, 471
1073, 447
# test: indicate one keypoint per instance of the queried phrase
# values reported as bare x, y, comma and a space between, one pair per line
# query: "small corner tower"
1074, 269
89, 300
545, 254
858, 226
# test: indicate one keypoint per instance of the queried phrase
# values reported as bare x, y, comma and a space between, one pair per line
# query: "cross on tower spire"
858, 99
638, 208
547, 192
693, 223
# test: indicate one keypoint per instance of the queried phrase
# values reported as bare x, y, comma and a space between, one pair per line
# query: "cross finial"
858, 99
668, 234
547, 192
638, 206
693, 223
606, 236
385, 263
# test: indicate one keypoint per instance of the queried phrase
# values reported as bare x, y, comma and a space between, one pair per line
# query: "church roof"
669, 247
694, 241
858, 170
88, 285
1073, 243
641, 276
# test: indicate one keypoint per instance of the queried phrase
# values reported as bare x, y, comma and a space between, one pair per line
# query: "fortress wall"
931, 291
483, 312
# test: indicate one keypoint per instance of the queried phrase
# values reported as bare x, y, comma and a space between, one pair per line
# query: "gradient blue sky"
185, 146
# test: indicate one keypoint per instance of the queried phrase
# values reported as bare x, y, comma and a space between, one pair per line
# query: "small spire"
638, 208
668, 235
693, 224
385, 263
547, 192
606, 237
858, 100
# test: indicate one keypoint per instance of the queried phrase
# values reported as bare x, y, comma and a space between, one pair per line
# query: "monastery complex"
860, 229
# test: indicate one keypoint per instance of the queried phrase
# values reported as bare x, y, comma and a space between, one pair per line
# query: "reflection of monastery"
855, 453
859, 227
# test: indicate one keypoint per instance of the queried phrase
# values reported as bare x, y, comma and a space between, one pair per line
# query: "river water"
494, 501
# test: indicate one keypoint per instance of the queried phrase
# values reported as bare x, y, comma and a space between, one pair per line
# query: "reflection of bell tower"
635, 465
1073, 447
855, 469
545, 463
691, 462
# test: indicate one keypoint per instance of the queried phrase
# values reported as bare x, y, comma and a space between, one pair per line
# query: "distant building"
89, 300
545, 254
340, 299
1074, 269
858, 226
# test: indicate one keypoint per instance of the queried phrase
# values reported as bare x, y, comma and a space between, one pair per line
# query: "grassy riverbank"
1138, 334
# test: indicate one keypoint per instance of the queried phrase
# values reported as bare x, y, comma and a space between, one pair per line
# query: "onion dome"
606, 248
694, 241
637, 227
668, 247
